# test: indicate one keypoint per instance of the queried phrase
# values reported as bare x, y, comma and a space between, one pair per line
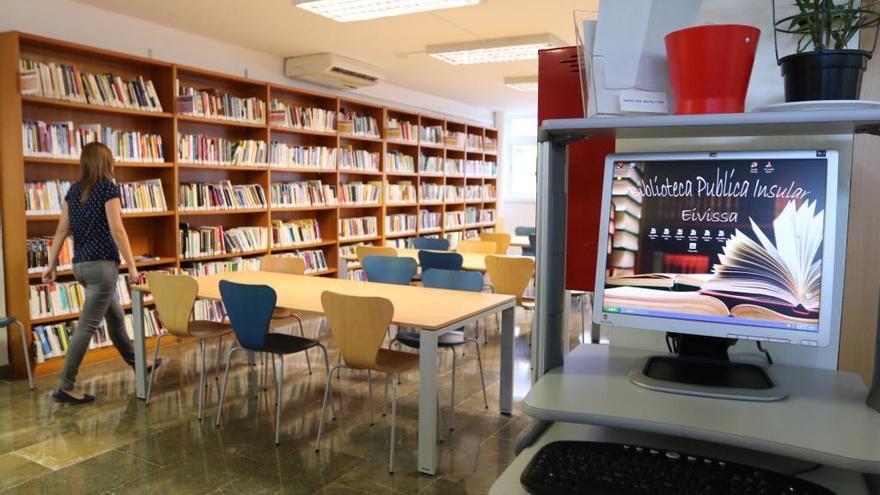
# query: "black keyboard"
597, 468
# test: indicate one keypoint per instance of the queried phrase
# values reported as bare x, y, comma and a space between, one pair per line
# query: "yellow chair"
475, 246
511, 275
282, 317
358, 326
364, 251
175, 296
501, 240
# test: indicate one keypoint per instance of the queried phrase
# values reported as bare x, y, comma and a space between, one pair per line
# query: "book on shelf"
474, 141
352, 159
220, 196
350, 250
430, 164
236, 264
480, 168
473, 192
142, 196
302, 194
430, 192
401, 192
472, 234
454, 166
429, 220
66, 82
487, 216
490, 144
64, 140
431, 134
354, 193
202, 149
211, 103
212, 240
283, 155
297, 117
454, 238
455, 139
45, 197
454, 194
38, 254
401, 130
354, 228
56, 299
396, 161
401, 223
315, 260
471, 215
488, 192
358, 124
294, 232
208, 310
454, 219
400, 242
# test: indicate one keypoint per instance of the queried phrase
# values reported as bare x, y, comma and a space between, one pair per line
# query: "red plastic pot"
710, 67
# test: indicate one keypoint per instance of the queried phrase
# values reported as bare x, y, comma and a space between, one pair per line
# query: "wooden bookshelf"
156, 233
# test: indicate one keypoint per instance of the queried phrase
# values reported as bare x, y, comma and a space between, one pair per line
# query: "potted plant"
823, 68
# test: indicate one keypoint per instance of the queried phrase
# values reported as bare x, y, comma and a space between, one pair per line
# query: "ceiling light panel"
524, 84
362, 10
494, 50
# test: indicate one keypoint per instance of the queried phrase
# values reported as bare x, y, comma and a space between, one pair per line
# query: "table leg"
505, 399
428, 403
140, 344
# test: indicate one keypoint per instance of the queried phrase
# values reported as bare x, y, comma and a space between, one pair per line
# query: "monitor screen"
725, 244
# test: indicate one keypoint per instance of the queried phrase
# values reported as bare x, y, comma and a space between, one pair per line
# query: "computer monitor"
731, 245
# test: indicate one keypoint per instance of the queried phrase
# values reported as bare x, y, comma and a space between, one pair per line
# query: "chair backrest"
510, 274
174, 296
524, 230
389, 269
444, 261
432, 243
249, 308
530, 251
364, 251
283, 264
358, 326
453, 279
475, 246
501, 240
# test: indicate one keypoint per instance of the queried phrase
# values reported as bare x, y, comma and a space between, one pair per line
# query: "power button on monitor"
811, 343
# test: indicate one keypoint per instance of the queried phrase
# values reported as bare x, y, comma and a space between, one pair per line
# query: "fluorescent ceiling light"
362, 10
524, 83
494, 50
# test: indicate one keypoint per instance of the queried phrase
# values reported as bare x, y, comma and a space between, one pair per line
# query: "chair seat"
279, 343
205, 329
396, 361
410, 338
528, 305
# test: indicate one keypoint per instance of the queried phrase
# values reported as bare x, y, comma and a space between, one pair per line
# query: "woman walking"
92, 214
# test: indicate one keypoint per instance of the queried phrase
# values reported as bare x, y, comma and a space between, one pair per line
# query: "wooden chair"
175, 296
282, 317
475, 246
364, 251
511, 275
358, 326
501, 240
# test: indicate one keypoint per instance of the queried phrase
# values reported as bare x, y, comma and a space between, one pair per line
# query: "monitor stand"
703, 368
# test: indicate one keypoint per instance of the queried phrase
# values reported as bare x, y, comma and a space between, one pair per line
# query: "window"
521, 158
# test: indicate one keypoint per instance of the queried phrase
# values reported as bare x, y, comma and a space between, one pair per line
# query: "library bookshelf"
394, 134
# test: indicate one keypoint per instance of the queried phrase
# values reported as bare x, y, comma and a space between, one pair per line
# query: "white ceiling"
396, 44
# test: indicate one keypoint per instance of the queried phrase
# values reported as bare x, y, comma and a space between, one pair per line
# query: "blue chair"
389, 269
6, 322
250, 309
452, 280
527, 231
442, 261
432, 243
531, 249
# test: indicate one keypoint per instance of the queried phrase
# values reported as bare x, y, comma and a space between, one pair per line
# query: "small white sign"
643, 102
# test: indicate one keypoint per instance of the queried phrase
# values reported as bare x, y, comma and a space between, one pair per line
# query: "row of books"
490, 144
454, 166
400, 223
52, 341
396, 161
45, 197
399, 242
432, 134
302, 194
472, 234
402, 192
283, 155
429, 220
474, 141
352, 159
429, 192
355, 228
296, 117
430, 164
401, 130
455, 139
223, 266
478, 192
480, 168
454, 193
212, 103
295, 232
38, 254
57, 299
142, 196
67, 82
471, 215
210, 240
358, 124
65, 140
486, 216
213, 150
454, 238
220, 196
360, 193
314, 259
454, 219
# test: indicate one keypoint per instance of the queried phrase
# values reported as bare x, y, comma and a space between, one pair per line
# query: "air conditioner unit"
333, 70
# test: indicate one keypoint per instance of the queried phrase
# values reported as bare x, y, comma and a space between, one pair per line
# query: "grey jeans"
99, 280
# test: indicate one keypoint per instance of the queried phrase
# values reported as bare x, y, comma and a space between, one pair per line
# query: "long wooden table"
432, 311
519, 241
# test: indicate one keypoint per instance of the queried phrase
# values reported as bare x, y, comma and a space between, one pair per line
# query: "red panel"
559, 97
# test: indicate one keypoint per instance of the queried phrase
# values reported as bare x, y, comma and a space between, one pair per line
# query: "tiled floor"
118, 445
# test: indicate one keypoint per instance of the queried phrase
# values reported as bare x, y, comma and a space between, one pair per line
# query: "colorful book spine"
488, 192
474, 142
454, 194
430, 192
38, 254
432, 134
220, 196
487, 216
212, 104
315, 260
396, 161
404, 192
401, 130
64, 140
455, 139
203, 149
142, 196
358, 124
296, 117
57, 299
224, 266
46, 197
359, 193
429, 220
400, 242
282, 155
302, 194
471, 216
295, 232
401, 223
352, 159
479, 168
52, 341
454, 167
454, 219
357, 228
490, 144
473, 192
213, 240
430, 165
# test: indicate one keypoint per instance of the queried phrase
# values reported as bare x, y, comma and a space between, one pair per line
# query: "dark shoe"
62, 396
